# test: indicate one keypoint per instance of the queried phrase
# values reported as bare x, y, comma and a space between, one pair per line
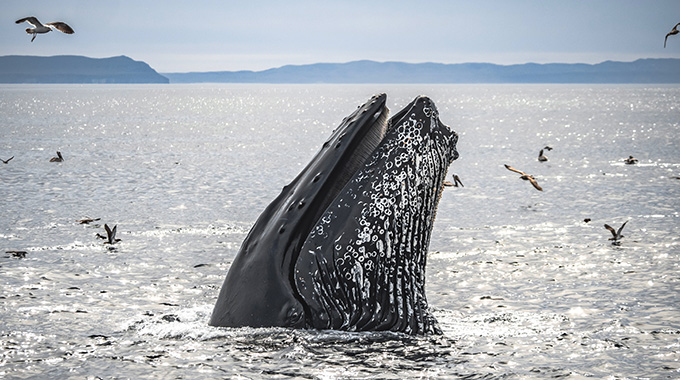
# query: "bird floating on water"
541, 157
616, 234
59, 158
18, 254
7, 160
525, 177
456, 181
630, 160
39, 28
673, 32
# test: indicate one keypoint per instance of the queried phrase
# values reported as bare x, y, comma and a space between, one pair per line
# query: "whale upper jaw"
344, 245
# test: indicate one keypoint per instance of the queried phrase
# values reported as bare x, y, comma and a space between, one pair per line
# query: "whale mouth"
344, 244
362, 265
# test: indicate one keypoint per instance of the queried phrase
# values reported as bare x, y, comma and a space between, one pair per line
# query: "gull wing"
533, 182
514, 170
109, 234
31, 20
611, 229
61, 26
618, 233
673, 31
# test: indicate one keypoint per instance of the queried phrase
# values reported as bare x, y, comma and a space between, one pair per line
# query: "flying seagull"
59, 158
7, 160
87, 220
541, 157
616, 234
525, 177
456, 181
110, 235
673, 32
39, 28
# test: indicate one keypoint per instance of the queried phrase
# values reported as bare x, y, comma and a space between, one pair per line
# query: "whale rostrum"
344, 246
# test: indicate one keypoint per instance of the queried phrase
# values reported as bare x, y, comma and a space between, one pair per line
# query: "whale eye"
282, 229
301, 204
293, 316
317, 178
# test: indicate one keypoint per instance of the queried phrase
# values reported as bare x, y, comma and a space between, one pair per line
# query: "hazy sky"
180, 36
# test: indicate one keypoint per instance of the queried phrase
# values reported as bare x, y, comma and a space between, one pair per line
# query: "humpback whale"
344, 245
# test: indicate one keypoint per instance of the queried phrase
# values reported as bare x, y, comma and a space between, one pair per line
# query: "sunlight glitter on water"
521, 285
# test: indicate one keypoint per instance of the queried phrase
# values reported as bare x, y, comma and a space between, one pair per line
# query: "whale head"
344, 245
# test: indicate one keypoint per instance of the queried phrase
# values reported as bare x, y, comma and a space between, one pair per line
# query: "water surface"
521, 285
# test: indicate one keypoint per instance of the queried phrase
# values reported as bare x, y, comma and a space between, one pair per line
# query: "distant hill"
76, 69
665, 70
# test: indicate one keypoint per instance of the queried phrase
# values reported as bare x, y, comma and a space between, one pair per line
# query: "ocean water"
522, 286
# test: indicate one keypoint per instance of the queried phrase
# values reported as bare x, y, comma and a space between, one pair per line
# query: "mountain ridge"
122, 69
76, 69
644, 70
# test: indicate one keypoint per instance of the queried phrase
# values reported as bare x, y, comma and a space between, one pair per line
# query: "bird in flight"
7, 160
87, 220
110, 235
616, 234
39, 28
673, 32
525, 177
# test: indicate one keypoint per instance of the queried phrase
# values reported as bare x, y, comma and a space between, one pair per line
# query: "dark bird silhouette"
455, 183
525, 177
541, 157
673, 32
616, 234
88, 221
547, 148
59, 158
630, 160
586, 220
18, 254
7, 160
39, 28
110, 235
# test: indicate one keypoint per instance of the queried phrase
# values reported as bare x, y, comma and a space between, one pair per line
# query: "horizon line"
343, 63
